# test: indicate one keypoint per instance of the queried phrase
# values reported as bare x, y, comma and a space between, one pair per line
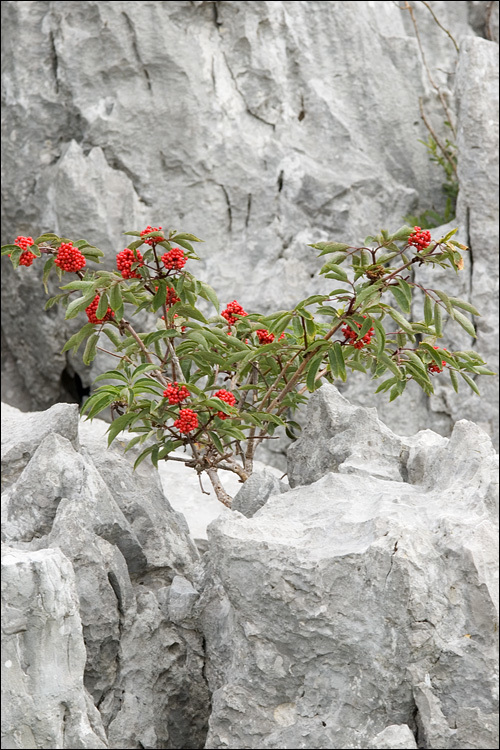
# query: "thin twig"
431, 131
439, 23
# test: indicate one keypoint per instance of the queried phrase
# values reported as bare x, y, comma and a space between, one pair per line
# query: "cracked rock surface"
356, 610
113, 547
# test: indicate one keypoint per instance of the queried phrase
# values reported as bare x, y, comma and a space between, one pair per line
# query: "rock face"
355, 611
126, 545
44, 701
266, 130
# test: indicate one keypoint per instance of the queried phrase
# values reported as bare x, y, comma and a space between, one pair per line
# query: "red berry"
172, 297
124, 261
420, 238
351, 336
433, 367
187, 421
265, 337
24, 243
69, 258
176, 393
152, 240
226, 396
175, 259
233, 308
91, 312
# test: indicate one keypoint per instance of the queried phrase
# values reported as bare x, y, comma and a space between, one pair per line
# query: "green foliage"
220, 385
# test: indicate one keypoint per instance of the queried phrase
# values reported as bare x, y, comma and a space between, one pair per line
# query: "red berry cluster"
176, 393
233, 308
188, 420
226, 396
152, 240
175, 259
420, 238
23, 242
69, 258
172, 297
351, 336
433, 367
26, 258
267, 338
91, 312
124, 261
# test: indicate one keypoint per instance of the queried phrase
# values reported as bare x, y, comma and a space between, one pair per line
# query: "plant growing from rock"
218, 386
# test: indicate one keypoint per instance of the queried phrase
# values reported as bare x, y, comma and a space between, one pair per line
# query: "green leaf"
334, 271
428, 310
142, 369
9, 249
466, 324
380, 337
112, 375
134, 245
91, 349
402, 322
386, 384
401, 298
388, 362
445, 299
371, 290
337, 363
397, 390
454, 380
160, 297
140, 458
113, 337
115, 298
118, 425
470, 383
190, 312
438, 320
185, 236
133, 234
102, 307
436, 356
78, 337
401, 234
216, 441
330, 247
78, 305
312, 370
209, 294
46, 237
456, 302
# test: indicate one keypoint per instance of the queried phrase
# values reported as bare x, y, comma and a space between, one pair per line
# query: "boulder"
144, 668
354, 604
44, 701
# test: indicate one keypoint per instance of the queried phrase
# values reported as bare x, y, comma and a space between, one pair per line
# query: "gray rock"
143, 670
395, 737
256, 491
44, 701
339, 436
355, 603
22, 434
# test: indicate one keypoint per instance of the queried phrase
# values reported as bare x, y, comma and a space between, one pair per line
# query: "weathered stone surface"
256, 491
394, 737
354, 603
44, 701
341, 437
22, 434
126, 544
268, 147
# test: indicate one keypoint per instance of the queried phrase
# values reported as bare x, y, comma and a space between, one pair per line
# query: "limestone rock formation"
144, 668
260, 127
354, 606
44, 701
